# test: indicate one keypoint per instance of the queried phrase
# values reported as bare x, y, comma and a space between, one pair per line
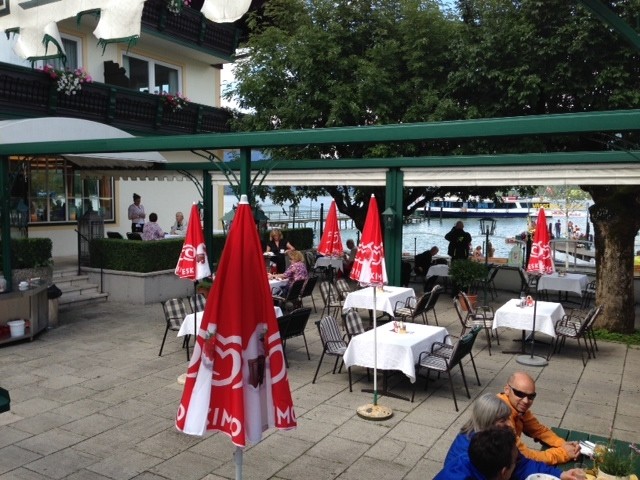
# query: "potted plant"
464, 273
204, 286
614, 463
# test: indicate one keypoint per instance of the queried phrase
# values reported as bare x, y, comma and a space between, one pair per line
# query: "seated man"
179, 227
493, 453
423, 261
519, 393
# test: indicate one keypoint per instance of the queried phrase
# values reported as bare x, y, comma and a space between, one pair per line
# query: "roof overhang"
49, 129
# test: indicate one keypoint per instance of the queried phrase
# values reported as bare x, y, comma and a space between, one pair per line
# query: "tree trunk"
616, 222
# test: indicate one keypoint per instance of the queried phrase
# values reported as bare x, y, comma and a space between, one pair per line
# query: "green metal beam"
393, 232
569, 123
609, 17
5, 221
461, 161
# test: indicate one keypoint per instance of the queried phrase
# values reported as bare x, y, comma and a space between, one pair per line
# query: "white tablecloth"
277, 283
396, 351
329, 261
512, 316
385, 300
571, 282
438, 271
187, 325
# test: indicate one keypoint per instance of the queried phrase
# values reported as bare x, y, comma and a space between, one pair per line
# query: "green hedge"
144, 257
29, 252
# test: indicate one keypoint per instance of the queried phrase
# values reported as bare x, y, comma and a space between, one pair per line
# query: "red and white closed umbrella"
368, 267
193, 263
540, 260
237, 379
331, 242
369, 270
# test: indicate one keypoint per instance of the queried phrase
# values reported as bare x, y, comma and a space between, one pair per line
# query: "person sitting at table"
519, 394
489, 411
297, 271
493, 453
477, 253
278, 246
349, 257
179, 227
151, 229
423, 261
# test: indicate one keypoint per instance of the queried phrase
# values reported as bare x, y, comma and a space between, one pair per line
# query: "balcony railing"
25, 92
191, 27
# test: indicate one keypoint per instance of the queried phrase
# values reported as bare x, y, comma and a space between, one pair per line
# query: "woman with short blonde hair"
278, 246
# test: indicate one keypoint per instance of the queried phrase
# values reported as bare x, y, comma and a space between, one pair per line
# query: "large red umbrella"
540, 260
369, 269
193, 263
248, 390
331, 242
368, 266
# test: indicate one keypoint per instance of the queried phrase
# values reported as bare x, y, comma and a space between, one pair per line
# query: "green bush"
30, 252
144, 257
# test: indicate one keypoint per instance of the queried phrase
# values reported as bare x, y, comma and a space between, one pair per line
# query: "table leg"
522, 343
385, 389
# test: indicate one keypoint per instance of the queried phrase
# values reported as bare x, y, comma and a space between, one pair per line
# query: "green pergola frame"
565, 124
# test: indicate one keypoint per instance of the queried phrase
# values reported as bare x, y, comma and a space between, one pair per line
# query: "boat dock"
283, 219
580, 251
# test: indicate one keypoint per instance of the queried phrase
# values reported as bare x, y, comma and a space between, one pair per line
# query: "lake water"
418, 237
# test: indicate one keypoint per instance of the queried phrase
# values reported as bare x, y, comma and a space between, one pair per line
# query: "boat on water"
509, 207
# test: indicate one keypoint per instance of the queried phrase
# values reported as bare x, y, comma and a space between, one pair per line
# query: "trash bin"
53, 294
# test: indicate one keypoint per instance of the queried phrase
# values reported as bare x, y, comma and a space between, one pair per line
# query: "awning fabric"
47, 129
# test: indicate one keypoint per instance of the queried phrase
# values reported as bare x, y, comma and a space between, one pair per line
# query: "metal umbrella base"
532, 360
374, 412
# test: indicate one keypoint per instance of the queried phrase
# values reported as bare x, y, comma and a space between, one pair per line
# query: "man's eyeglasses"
519, 394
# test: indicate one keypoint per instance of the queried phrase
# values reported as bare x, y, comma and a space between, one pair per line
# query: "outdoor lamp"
389, 216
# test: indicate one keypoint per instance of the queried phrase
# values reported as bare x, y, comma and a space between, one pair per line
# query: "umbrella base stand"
532, 361
374, 412
182, 379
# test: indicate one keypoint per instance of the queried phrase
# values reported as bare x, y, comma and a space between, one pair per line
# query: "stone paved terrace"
92, 400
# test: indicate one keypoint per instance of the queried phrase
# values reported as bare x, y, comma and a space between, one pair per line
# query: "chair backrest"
461, 315
595, 312
343, 288
296, 322
310, 284
492, 273
433, 297
134, 236
295, 290
466, 302
310, 259
463, 347
421, 304
353, 323
114, 235
174, 312
197, 302
330, 335
328, 290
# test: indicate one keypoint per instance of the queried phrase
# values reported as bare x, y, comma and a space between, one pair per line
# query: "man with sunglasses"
519, 393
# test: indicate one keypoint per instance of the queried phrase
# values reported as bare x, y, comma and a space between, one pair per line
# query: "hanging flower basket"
174, 101
176, 6
69, 82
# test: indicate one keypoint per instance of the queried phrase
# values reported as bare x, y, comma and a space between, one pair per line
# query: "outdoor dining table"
188, 324
511, 315
386, 299
333, 262
440, 270
569, 282
273, 283
396, 351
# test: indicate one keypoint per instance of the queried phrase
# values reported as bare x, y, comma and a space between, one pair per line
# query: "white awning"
48, 129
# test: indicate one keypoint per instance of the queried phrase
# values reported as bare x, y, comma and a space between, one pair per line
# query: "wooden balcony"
25, 92
191, 27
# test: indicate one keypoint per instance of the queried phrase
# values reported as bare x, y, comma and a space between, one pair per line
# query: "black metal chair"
174, 313
481, 316
576, 327
197, 302
134, 236
331, 298
444, 357
332, 344
307, 291
431, 304
293, 325
412, 308
292, 296
114, 235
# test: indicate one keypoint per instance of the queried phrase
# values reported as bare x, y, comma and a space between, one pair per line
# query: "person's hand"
572, 449
573, 474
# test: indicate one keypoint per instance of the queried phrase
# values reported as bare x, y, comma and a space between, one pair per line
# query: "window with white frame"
152, 76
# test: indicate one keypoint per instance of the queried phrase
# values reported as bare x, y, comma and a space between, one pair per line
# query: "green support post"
393, 225
245, 173
5, 224
207, 203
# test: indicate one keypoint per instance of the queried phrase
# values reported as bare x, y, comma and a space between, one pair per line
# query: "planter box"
140, 288
45, 274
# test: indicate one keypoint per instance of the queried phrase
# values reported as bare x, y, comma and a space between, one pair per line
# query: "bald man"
519, 393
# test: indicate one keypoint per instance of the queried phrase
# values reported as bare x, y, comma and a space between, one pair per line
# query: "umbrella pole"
237, 456
374, 411
532, 360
